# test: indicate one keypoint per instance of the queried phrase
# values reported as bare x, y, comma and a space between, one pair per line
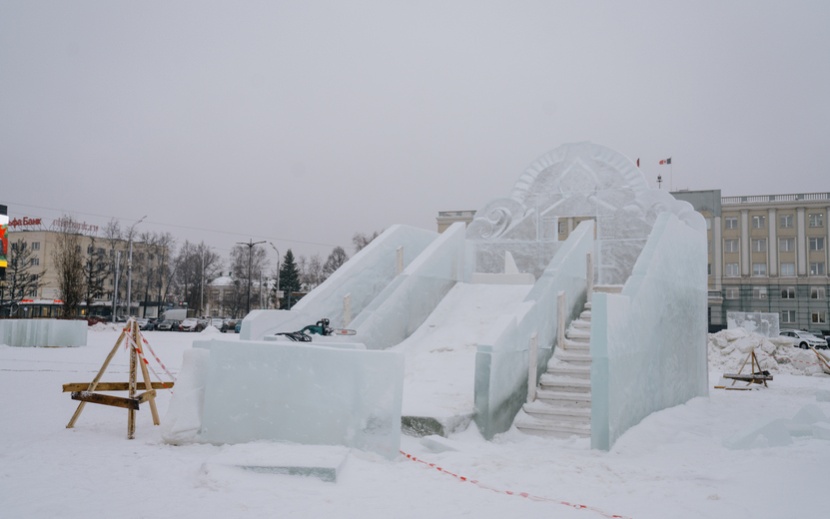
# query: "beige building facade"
45, 299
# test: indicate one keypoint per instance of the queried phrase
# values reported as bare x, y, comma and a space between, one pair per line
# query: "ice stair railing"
501, 379
648, 343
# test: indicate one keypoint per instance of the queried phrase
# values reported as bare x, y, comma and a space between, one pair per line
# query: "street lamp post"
250, 246
278, 272
130, 268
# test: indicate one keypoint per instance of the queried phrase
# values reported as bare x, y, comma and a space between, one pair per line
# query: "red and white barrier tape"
510, 492
132, 344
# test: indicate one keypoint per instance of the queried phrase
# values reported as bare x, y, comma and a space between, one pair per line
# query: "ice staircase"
562, 407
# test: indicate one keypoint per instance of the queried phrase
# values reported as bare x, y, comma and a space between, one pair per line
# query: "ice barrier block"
765, 324
183, 420
43, 332
649, 343
502, 367
302, 393
362, 278
406, 303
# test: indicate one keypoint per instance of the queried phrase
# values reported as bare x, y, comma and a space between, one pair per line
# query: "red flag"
666, 161
638, 162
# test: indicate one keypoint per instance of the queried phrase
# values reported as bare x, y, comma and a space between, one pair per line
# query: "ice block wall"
43, 332
649, 343
302, 393
362, 278
502, 367
406, 303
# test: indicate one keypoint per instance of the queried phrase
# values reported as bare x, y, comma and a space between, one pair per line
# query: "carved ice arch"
574, 181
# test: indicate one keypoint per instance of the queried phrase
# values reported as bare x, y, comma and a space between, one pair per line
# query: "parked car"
821, 335
216, 323
228, 325
190, 324
95, 319
168, 325
804, 339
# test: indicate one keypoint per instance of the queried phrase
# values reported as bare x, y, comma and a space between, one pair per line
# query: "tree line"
159, 272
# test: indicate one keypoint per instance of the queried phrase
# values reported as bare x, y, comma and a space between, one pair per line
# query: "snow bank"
729, 348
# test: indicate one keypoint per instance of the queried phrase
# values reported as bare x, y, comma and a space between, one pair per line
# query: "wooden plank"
97, 398
110, 386
760, 377
95, 381
147, 395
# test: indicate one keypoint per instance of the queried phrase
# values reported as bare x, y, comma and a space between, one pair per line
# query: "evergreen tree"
289, 280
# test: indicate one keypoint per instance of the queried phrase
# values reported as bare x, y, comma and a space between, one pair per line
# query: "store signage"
24, 222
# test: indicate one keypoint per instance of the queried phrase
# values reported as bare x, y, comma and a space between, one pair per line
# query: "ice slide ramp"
355, 285
440, 357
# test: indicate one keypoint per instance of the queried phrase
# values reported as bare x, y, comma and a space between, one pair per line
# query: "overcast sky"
303, 122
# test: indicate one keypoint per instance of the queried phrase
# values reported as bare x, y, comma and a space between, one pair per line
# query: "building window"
817, 268
786, 244
34, 262
730, 223
32, 292
816, 244
709, 269
35, 245
758, 221
759, 269
731, 293
788, 316
818, 317
788, 269
788, 293
817, 293
730, 246
759, 292
786, 221
759, 245
816, 220
732, 270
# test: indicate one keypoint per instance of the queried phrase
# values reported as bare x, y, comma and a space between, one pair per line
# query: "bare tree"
311, 272
68, 259
240, 271
360, 240
198, 265
96, 268
20, 281
337, 257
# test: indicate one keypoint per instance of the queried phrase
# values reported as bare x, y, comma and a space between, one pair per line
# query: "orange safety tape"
510, 492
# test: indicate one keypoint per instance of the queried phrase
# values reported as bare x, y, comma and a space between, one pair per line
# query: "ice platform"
323, 462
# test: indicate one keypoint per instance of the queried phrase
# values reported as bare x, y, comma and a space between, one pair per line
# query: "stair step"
564, 384
585, 315
577, 357
576, 346
578, 334
564, 398
542, 411
529, 425
581, 324
570, 372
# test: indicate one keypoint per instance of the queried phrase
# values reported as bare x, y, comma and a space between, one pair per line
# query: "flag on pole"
666, 161
638, 162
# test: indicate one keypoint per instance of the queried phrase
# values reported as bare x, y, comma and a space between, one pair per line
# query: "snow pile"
728, 349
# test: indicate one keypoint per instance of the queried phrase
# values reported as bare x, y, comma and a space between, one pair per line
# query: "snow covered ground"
710, 457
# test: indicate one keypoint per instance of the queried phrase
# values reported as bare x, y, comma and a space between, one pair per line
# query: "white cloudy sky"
304, 122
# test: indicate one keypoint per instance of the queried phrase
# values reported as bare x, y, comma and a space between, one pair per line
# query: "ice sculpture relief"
578, 181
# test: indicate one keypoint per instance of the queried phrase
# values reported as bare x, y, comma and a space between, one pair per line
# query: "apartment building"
44, 300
